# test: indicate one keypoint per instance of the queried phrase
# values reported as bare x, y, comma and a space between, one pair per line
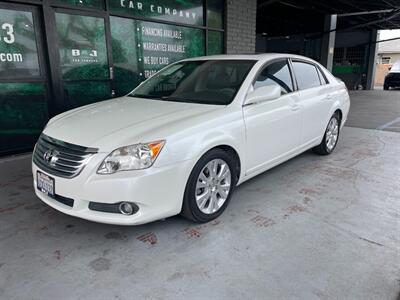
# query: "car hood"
110, 124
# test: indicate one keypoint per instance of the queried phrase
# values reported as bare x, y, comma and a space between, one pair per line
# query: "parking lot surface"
313, 228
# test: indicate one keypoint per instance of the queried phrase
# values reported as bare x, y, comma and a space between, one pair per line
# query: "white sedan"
186, 137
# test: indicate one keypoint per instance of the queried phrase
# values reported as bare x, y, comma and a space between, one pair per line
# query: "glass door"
83, 58
23, 87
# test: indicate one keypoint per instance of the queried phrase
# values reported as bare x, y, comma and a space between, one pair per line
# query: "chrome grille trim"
71, 159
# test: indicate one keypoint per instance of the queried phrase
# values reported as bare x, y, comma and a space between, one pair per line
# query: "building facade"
56, 55
389, 52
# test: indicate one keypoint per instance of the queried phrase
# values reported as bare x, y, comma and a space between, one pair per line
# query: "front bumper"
158, 192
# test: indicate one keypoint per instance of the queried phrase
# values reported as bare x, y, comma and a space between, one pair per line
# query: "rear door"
315, 99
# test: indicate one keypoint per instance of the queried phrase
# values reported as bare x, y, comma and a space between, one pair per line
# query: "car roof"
257, 57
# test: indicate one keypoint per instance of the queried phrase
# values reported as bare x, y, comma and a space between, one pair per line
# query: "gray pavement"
313, 228
376, 109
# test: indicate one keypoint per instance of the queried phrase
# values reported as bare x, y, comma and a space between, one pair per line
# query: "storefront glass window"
125, 55
142, 48
144, 36
86, 92
215, 42
82, 47
23, 114
18, 49
215, 13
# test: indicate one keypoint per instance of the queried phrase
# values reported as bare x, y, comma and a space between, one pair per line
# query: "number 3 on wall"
10, 38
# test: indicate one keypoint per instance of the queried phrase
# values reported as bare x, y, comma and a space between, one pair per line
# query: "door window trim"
324, 80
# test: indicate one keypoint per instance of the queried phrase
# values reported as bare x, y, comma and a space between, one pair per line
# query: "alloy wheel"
332, 133
213, 186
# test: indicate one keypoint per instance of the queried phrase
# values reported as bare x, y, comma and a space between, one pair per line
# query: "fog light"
126, 208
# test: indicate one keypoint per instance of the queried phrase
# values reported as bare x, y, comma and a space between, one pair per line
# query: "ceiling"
288, 17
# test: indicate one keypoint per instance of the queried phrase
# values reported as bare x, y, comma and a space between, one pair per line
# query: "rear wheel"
386, 87
209, 187
331, 136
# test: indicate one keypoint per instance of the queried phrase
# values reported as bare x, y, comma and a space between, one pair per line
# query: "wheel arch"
340, 113
229, 149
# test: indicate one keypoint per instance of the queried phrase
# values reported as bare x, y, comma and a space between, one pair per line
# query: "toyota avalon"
186, 137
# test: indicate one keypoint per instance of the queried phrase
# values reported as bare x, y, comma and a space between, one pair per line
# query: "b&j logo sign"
84, 56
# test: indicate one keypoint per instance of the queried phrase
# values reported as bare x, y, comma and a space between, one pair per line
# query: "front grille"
60, 158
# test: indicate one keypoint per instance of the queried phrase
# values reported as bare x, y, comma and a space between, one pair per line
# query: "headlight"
134, 157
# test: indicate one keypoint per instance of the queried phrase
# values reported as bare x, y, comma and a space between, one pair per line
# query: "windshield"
202, 81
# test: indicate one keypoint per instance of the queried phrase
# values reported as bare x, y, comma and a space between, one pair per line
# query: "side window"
276, 73
306, 75
322, 77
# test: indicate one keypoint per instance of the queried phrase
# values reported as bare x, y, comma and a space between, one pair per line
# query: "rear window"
306, 75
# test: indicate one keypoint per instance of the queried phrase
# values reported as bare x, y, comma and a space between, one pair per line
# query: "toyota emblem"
50, 156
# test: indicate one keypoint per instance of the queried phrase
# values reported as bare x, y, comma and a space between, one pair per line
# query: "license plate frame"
45, 183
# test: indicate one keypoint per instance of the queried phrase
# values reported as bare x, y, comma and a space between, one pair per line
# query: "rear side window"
276, 73
306, 75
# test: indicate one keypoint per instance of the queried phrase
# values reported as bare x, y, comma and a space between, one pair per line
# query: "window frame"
270, 62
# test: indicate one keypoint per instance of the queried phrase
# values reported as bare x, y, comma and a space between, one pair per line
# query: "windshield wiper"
170, 98
164, 98
143, 96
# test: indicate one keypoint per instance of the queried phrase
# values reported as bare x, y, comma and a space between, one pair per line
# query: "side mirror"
264, 93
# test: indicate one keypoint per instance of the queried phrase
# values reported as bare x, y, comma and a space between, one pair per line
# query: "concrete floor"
376, 109
313, 228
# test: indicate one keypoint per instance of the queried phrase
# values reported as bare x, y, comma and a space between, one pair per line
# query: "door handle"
295, 107
329, 97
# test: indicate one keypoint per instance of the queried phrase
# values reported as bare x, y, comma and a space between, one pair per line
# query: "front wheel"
331, 136
386, 87
209, 187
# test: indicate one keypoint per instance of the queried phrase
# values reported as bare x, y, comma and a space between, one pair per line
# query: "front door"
84, 60
23, 88
273, 128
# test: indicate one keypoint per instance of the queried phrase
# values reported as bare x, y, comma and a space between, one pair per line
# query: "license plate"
45, 183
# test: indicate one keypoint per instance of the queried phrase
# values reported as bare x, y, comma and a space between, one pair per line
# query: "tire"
202, 209
386, 87
331, 136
